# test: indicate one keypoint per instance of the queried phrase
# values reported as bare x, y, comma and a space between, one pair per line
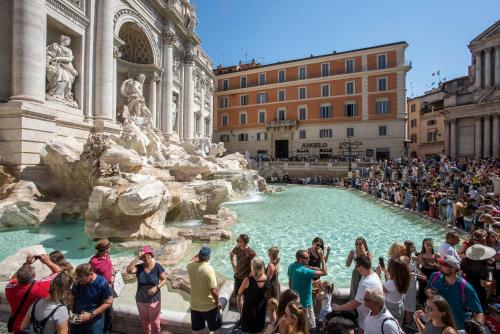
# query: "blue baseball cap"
205, 252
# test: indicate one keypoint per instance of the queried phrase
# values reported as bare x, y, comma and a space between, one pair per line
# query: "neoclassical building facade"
472, 104
63, 62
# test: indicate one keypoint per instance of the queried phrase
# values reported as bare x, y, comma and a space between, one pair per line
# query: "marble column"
497, 65
211, 111
29, 30
189, 93
478, 138
487, 136
453, 138
152, 97
447, 138
202, 109
168, 81
496, 136
103, 85
180, 103
116, 54
487, 67
478, 69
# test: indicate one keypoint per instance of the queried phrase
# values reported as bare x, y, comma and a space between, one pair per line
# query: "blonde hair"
299, 313
397, 249
375, 296
274, 252
258, 267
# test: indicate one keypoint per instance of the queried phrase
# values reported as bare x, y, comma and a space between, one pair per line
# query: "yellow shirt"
202, 279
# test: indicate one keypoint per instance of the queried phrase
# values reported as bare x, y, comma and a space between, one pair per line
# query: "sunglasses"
305, 257
428, 309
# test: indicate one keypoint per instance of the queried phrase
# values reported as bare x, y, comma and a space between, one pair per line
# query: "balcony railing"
282, 123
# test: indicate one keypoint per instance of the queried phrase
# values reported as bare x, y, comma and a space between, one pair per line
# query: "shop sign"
306, 145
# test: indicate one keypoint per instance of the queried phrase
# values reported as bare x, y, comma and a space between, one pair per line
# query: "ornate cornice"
130, 12
78, 18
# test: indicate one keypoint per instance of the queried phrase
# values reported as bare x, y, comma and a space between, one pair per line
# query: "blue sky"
437, 31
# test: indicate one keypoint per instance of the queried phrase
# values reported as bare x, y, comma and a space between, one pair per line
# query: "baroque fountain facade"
106, 114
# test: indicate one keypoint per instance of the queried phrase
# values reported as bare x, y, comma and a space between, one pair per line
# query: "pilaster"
478, 138
188, 93
169, 39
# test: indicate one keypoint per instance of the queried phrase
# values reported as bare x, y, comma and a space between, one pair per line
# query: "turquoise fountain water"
289, 220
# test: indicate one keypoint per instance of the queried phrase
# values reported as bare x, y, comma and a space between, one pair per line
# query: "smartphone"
381, 262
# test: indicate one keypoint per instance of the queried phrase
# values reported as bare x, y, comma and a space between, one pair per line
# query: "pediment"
492, 31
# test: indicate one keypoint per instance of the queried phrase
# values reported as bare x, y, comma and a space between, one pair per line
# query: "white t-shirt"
370, 282
448, 250
373, 323
43, 308
392, 295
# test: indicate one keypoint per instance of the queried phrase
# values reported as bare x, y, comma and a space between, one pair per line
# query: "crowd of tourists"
447, 289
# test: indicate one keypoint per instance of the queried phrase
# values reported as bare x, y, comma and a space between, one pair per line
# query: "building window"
302, 93
325, 70
302, 114
431, 122
281, 76
243, 100
350, 109
302, 134
225, 84
225, 120
262, 98
223, 102
413, 108
224, 138
325, 90
383, 107
382, 61
243, 82
325, 133
262, 78
243, 137
382, 130
281, 114
325, 112
350, 132
262, 117
413, 123
431, 136
281, 95
261, 136
243, 118
413, 138
302, 73
381, 84
349, 88
349, 66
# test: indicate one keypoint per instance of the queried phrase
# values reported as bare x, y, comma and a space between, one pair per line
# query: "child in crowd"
325, 297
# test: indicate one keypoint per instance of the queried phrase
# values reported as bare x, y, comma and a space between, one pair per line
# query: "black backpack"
39, 325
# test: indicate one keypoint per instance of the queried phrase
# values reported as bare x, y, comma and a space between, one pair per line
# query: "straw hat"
479, 252
102, 245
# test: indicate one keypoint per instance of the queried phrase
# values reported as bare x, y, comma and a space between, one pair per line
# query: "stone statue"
132, 90
60, 71
174, 112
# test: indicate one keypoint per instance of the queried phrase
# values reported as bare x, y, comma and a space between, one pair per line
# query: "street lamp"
348, 145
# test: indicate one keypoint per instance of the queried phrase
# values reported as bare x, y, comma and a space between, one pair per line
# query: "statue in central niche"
132, 90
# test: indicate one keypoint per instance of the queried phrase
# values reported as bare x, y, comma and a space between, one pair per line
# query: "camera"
37, 257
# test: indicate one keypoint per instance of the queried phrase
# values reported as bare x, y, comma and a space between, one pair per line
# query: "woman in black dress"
252, 298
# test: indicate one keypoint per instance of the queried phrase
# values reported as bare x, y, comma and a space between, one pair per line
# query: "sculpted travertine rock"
12, 263
173, 251
128, 160
142, 199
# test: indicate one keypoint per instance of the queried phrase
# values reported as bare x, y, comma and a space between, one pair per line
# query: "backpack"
392, 319
462, 285
39, 325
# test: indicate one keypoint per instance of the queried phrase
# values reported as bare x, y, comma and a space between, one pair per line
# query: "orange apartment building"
305, 107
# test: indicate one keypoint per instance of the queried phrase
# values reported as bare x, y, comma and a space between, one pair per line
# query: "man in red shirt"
21, 282
101, 265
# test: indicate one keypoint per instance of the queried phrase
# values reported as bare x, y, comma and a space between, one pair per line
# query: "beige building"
304, 108
472, 104
426, 124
